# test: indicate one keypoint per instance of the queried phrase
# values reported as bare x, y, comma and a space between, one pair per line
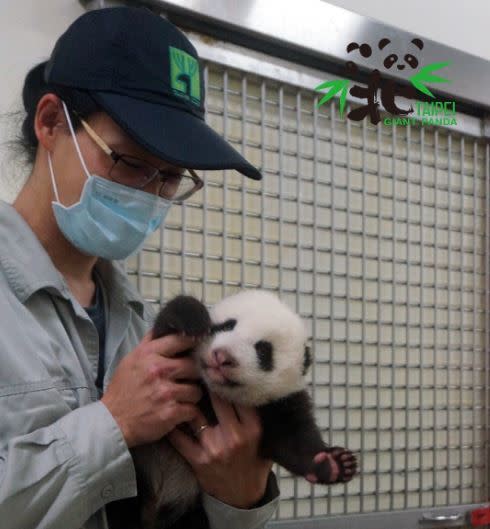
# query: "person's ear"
49, 121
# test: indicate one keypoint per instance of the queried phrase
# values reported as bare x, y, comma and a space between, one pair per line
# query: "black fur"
182, 314
265, 356
290, 435
228, 325
306, 360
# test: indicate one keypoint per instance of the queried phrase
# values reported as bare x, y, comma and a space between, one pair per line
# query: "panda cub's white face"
256, 353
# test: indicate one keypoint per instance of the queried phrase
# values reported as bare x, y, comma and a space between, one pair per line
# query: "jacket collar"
28, 267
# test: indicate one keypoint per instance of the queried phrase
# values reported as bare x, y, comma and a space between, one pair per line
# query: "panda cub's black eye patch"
228, 325
264, 354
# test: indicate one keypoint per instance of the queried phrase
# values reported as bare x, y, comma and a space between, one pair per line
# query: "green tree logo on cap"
184, 75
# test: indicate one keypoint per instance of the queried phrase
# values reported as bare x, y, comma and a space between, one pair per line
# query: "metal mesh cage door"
377, 236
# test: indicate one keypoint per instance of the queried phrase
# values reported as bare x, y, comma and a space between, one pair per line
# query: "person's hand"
145, 396
225, 458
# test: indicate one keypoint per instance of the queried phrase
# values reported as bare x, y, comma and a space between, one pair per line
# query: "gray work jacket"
62, 454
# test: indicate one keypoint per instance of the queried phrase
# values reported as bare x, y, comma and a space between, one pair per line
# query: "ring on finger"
201, 429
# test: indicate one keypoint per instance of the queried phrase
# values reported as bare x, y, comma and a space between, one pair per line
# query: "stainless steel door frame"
443, 517
322, 29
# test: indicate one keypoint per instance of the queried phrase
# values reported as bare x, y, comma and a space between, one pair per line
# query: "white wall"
28, 31
462, 25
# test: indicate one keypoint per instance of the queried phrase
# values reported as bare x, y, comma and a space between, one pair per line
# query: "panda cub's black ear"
306, 360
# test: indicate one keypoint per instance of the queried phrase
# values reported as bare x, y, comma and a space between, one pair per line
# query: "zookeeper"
114, 127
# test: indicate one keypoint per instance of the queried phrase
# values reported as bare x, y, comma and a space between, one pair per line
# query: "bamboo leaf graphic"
192, 68
175, 55
425, 75
337, 85
179, 61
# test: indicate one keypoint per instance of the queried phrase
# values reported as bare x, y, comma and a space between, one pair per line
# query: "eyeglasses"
137, 173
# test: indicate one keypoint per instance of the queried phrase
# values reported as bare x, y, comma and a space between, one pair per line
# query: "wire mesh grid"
376, 235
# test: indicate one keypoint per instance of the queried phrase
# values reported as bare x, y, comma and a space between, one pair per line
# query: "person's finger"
250, 421
225, 412
202, 434
177, 368
185, 393
230, 428
247, 415
169, 345
188, 448
148, 337
184, 412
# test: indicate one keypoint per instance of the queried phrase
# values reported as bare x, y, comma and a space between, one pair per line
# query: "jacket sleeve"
57, 476
223, 516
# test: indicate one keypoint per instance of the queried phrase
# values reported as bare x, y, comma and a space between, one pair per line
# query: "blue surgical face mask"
110, 220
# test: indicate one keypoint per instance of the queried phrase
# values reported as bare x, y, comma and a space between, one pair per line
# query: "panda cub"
257, 356
253, 352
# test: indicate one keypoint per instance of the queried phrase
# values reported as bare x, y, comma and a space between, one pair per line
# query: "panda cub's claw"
334, 465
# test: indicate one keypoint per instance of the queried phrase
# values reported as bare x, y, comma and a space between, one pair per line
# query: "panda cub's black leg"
291, 437
344, 460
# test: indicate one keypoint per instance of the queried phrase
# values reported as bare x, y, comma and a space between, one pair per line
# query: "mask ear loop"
73, 135
51, 172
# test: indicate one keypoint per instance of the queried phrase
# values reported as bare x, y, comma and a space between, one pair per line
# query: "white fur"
260, 315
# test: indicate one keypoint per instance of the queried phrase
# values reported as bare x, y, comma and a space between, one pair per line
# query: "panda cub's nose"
223, 358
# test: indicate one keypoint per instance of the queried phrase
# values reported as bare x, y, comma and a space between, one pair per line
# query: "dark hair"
34, 89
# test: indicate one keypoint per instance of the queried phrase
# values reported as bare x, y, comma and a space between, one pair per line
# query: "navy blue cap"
146, 74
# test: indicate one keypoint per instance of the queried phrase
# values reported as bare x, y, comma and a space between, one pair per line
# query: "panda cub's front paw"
334, 465
182, 315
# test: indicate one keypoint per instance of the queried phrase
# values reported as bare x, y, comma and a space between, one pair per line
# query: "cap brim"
174, 135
